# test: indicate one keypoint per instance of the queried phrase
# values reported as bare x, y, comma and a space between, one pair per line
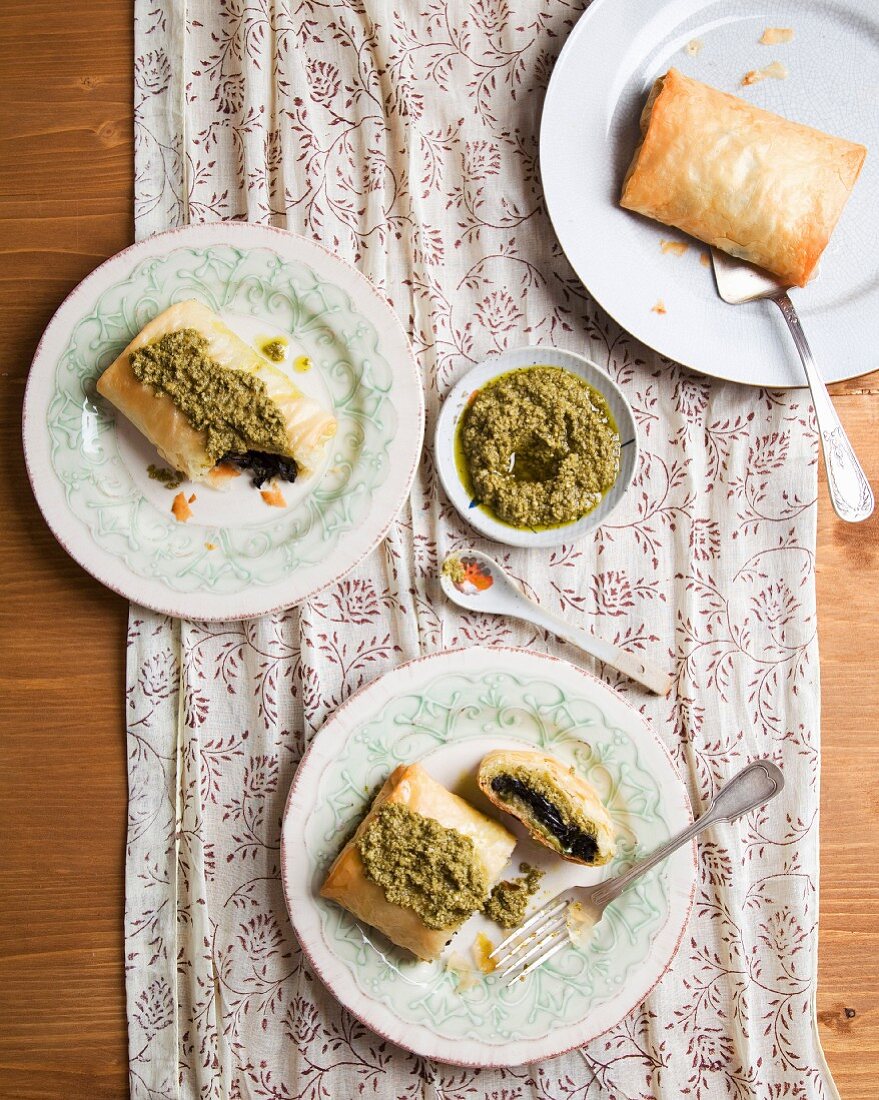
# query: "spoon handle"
635, 667
850, 491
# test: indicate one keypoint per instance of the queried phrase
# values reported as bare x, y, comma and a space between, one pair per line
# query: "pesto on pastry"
200, 394
376, 879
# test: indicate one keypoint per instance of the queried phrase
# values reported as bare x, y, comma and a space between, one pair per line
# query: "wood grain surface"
65, 205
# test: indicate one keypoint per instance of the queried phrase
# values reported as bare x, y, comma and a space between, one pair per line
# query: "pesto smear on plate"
424, 866
540, 447
509, 899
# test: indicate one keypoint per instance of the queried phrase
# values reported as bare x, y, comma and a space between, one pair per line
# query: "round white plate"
590, 130
447, 429
237, 557
447, 711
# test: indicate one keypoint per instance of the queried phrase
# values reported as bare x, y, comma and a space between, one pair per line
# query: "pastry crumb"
180, 508
210, 546
775, 69
273, 497
482, 949
579, 924
461, 971
678, 248
192, 499
705, 259
693, 47
659, 307
775, 36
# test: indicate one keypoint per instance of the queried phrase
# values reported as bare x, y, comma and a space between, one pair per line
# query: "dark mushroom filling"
263, 466
573, 840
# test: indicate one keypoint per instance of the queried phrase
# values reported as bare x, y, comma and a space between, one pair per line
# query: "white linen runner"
403, 135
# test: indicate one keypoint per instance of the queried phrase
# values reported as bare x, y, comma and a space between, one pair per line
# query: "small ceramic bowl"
447, 427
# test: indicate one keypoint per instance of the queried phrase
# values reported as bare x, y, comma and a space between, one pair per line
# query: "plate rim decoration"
493, 367
365, 707
615, 253
291, 584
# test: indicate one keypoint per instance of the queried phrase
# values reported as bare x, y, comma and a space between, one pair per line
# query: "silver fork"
546, 931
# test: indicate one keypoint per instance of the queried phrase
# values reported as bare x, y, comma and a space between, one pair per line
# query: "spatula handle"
847, 483
634, 666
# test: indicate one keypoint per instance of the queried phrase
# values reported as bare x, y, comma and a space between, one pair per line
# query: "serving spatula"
850, 493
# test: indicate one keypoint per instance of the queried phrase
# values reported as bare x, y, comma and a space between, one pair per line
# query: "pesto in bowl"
538, 446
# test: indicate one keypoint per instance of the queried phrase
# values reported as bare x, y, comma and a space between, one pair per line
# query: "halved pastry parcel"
558, 808
420, 864
200, 394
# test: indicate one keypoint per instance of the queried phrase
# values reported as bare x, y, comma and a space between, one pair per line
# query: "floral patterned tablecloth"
403, 135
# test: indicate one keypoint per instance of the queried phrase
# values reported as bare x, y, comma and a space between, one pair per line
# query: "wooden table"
66, 204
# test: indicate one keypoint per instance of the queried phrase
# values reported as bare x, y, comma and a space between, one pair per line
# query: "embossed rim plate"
447, 429
447, 709
97, 500
589, 131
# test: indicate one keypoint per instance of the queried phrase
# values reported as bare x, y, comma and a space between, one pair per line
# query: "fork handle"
753, 786
850, 492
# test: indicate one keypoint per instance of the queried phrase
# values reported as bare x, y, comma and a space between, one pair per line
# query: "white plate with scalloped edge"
588, 134
446, 711
236, 557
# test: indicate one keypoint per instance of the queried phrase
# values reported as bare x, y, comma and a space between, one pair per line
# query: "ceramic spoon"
485, 586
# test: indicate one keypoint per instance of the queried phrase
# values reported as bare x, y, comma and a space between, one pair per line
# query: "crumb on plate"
578, 923
693, 47
705, 259
461, 971
482, 949
775, 69
210, 546
677, 248
273, 497
192, 499
171, 479
659, 307
774, 36
180, 508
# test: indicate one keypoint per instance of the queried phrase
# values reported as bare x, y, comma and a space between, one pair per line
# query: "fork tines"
532, 943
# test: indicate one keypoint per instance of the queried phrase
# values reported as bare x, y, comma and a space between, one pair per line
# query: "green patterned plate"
236, 558
447, 711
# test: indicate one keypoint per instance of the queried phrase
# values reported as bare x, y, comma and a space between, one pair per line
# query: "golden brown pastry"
395, 848
753, 184
558, 808
303, 426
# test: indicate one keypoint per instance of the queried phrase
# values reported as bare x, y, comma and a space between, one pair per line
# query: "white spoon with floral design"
475, 582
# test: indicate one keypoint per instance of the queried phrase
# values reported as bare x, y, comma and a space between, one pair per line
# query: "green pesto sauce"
509, 899
423, 866
276, 350
231, 406
171, 479
539, 447
453, 568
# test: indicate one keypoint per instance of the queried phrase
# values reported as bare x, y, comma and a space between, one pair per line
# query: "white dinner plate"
481, 518
447, 711
237, 557
589, 132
